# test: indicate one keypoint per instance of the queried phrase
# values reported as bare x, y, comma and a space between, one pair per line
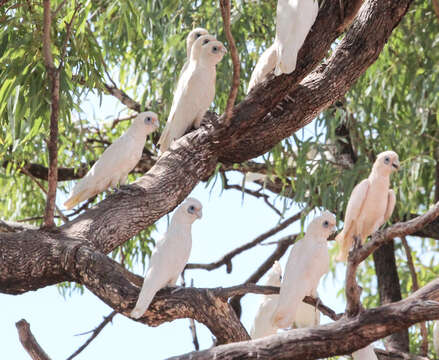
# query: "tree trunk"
390, 291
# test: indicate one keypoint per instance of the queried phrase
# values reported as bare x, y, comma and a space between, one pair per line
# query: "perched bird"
366, 353
371, 203
307, 263
191, 38
294, 20
264, 66
116, 162
195, 90
170, 256
262, 325
307, 315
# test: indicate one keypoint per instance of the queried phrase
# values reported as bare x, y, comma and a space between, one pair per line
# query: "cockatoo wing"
112, 167
353, 210
160, 272
189, 101
286, 21
264, 66
391, 201
262, 325
306, 264
366, 353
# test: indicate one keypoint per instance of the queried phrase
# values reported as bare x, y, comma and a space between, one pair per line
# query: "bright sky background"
227, 223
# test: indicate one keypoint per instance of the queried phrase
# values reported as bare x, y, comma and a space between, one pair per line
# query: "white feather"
116, 162
262, 325
170, 256
195, 90
307, 315
265, 65
293, 22
307, 263
366, 353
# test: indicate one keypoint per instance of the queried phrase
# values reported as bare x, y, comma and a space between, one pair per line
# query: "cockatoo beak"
199, 213
396, 165
156, 123
224, 50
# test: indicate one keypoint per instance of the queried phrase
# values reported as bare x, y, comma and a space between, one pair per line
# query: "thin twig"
415, 287
35, 180
193, 329
95, 332
227, 258
29, 342
66, 40
256, 193
225, 13
325, 310
118, 120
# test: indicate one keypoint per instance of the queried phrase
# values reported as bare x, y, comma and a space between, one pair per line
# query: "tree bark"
339, 338
390, 291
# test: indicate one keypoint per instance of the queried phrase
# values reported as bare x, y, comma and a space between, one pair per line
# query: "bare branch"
225, 13
316, 302
227, 259
29, 342
95, 333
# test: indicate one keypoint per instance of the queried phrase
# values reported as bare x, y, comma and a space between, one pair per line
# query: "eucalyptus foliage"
141, 44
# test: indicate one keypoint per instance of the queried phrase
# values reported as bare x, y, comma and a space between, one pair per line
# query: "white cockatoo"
371, 203
306, 314
366, 353
265, 65
170, 255
307, 263
191, 38
195, 90
262, 325
436, 337
114, 165
294, 20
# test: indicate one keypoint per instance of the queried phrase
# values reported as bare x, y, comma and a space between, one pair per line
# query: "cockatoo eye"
386, 160
197, 35
191, 209
148, 120
325, 223
215, 49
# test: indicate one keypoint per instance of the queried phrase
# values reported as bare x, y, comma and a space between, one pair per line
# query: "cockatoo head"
147, 120
386, 163
275, 275
190, 210
194, 35
322, 226
212, 52
198, 45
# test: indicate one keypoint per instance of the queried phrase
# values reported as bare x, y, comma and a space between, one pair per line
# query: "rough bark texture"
390, 291
32, 259
29, 342
338, 338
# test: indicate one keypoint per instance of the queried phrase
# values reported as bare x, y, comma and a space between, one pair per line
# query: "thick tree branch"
339, 338
225, 13
227, 258
29, 342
